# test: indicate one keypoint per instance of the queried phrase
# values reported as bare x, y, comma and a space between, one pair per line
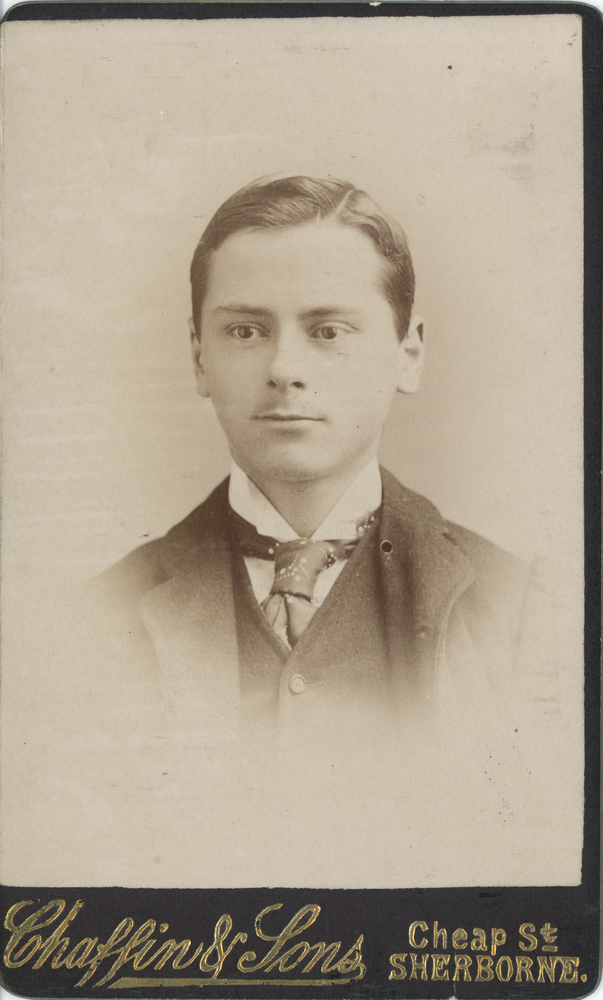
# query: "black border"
383, 914
33, 10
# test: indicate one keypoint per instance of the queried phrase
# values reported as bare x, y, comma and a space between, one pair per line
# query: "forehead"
310, 264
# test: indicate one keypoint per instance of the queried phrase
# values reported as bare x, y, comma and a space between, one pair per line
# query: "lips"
285, 416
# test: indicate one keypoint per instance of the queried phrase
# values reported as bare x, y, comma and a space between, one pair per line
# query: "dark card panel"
539, 942
289, 8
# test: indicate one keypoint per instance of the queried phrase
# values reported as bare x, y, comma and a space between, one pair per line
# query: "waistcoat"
339, 663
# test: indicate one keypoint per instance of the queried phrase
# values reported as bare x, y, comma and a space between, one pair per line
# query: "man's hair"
281, 203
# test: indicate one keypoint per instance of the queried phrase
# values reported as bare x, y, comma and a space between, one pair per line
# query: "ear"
411, 356
197, 365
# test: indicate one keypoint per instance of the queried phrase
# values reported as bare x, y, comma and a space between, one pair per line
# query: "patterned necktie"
289, 606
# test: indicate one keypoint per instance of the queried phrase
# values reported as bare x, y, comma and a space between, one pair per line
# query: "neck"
304, 504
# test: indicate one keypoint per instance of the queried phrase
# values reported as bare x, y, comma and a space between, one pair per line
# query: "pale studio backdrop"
121, 140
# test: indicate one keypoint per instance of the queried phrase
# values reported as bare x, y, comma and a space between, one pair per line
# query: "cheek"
369, 400
228, 386
374, 380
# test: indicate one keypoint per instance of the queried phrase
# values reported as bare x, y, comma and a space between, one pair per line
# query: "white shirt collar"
362, 496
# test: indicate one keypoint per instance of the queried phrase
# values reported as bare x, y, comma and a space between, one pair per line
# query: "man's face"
299, 350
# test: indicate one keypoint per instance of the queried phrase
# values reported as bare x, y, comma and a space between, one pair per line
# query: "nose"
288, 362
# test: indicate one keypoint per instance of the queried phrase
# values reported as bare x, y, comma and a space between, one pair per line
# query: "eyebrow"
317, 313
326, 311
243, 310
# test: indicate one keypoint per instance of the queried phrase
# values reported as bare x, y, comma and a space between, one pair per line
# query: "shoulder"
493, 565
153, 563
506, 598
135, 574
496, 571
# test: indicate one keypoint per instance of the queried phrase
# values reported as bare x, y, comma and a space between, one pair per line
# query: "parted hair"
282, 202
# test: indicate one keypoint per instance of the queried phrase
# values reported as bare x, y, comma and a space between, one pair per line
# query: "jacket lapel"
424, 573
191, 618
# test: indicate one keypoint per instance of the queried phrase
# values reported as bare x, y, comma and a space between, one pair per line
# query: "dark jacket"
456, 608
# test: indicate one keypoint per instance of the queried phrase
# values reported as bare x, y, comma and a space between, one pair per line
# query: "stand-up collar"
362, 496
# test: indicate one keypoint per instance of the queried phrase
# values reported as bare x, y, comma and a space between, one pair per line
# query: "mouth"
282, 416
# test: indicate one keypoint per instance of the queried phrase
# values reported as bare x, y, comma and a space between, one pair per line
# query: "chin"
296, 467
292, 472
283, 467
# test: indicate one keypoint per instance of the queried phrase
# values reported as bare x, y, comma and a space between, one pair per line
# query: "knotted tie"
297, 566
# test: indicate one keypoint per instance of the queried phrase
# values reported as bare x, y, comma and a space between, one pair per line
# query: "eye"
328, 332
245, 332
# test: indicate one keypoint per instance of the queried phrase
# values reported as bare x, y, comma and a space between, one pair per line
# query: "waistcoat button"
297, 684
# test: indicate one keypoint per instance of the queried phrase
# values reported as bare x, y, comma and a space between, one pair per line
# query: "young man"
311, 587
314, 679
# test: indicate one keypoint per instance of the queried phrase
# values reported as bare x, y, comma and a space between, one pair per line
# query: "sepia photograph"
293, 534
